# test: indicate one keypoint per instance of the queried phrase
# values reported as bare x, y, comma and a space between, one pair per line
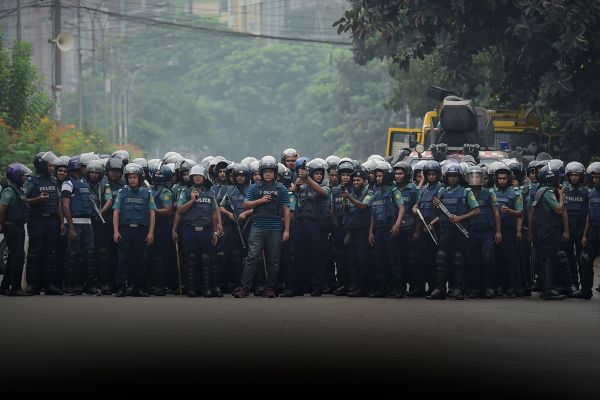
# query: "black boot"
31, 273
439, 292
51, 288
398, 290
190, 285
160, 272
565, 269
341, 291
90, 276
206, 276
550, 292
217, 270
104, 271
71, 273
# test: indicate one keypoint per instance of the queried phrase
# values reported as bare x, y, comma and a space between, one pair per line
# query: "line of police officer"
100, 224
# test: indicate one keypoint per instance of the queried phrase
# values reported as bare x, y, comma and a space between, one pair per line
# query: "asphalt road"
499, 347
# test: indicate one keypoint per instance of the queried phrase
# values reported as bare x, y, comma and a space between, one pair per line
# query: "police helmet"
548, 177
171, 156
267, 162
497, 166
206, 161
141, 162
516, 168
432, 165
453, 169
288, 153
74, 164
469, 159
240, 169
43, 160
122, 154
17, 172
248, 160
403, 165
574, 167
375, 157
370, 165
62, 161
86, 158
345, 165
558, 166
360, 173
593, 168
198, 170
254, 166
163, 175
474, 176
543, 156
134, 169
332, 162
186, 165
531, 166
317, 164
114, 163
95, 166
284, 175
541, 163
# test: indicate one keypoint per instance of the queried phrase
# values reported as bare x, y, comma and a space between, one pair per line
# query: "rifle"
461, 228
178, 267
237, 224
532, 261
427, 227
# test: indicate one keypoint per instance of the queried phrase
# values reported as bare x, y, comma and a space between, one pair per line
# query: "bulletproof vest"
507, 198
81, 199
134, 207
454, 202
426, 199
157, 194
220, 191
355, 217
595, 208
200, 214
337, 203
114, 186
383, 207
485, 219
543, 218
310, 203
19, 211
237, 196
577, 203
46, 185
408, 195
272, 209
533, 188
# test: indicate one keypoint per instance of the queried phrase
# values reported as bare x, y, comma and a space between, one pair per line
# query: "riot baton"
458, 225
427, 227
237, 224
178, 267
98, 211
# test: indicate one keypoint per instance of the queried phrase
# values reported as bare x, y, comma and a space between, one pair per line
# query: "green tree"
540, 52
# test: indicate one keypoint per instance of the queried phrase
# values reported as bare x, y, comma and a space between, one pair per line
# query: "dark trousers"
339, 252
426, 255
15, 242
408, 260
450, 259
157, 255
388, 258
573, 248
310, 253
590, 252
130, 268
481, 259
358, 255
41, 257
268, 241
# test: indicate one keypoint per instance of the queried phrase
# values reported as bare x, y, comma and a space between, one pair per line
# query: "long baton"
426, 226
458, 225
178, 267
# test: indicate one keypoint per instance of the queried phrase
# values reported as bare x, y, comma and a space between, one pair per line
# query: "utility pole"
57, 84
79, 68
18, 21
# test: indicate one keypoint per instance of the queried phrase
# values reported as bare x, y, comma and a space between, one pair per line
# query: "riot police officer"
510, 200
461, 205
577, 202
113, 170
236, 221
548, 216
339, 207
485, 231
133, 227
427, 247
198, 211
158, 253
14, 213
269, 201
386, 220
591, 234
408, 236
309, 236
44, 226
78, 210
